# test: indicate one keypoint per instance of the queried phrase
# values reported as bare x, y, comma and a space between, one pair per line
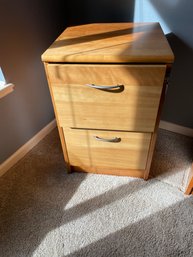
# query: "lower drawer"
107, 149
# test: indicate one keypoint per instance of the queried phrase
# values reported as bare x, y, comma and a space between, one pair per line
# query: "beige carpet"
172, 159
45, 212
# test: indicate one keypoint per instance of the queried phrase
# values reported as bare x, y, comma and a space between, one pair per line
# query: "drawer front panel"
132, 108
108, 149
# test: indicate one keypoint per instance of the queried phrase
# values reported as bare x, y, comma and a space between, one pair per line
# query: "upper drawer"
132, 107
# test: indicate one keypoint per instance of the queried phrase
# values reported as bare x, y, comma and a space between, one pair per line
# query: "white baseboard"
22, 151
176, 128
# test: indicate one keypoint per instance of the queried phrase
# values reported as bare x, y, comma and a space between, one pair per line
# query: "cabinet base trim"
109, 171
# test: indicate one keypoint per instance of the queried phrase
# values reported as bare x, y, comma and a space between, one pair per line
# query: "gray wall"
27, 28
88, 11
178, 15
176, 19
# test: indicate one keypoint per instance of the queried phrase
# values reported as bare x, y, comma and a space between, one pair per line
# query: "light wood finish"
65, 153
111, 43
107, 171
154, 135
133, 109
61, 135
85, 150
189, 188
136, 55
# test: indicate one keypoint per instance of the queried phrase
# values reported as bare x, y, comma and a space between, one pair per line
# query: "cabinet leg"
65, 153
150, 156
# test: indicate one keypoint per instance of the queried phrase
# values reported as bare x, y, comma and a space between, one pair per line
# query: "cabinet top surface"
111, 43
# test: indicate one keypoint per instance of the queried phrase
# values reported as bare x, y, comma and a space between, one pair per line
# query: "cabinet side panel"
154, 135
61, 134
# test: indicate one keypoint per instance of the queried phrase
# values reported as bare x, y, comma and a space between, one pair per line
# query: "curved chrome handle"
110, 88
112, 140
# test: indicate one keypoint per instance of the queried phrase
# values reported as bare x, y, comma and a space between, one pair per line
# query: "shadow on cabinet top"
111, 43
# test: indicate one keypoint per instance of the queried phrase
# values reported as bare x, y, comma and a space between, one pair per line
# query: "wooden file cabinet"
107, 83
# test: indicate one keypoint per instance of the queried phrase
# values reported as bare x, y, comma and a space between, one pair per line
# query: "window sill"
7, 89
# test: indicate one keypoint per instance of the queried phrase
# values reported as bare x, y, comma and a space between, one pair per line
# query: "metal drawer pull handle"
117, 88
112, 140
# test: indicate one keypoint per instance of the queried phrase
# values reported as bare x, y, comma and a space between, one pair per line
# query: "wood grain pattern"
131, 54
111, 43
109, 171
133, 109
84, 150
60, 130
154, 135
